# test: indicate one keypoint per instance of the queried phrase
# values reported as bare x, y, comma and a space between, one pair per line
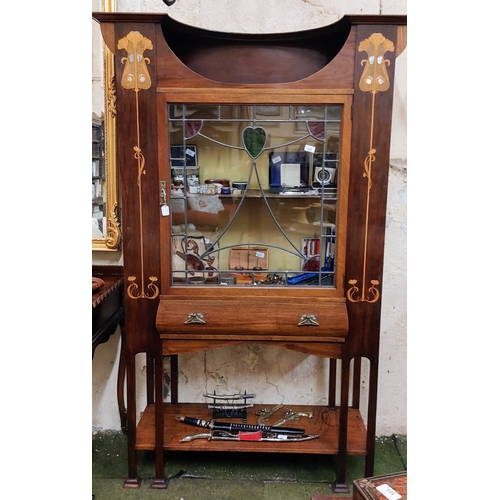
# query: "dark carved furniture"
178, 85
390, 486
107, 313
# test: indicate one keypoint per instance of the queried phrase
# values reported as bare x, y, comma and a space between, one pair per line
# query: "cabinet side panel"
137, 160
373, 93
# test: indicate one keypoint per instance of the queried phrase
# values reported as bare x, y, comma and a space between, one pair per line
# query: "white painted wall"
277, 375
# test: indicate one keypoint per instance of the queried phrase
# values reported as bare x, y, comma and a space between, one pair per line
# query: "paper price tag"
165, 210
190, 152
260, 255
309, 148
388, 492
276, 159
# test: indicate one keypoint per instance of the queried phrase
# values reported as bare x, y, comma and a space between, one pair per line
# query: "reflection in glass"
263, 204
106, 231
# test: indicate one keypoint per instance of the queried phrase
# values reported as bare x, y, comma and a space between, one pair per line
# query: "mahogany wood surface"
364, 317
255, 58
324, 422
107, 307
137, 133
366, 489
111, 283
330, 348
259, 318
232, 65
173, 73
107, 313
334, 74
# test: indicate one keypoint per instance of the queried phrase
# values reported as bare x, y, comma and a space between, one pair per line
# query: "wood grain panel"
324, 422
330, 348
255, 58
259, 317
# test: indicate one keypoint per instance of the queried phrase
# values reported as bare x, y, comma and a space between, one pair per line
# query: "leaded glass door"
254, 194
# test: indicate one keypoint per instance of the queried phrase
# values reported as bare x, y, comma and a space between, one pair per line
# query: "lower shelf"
325, 422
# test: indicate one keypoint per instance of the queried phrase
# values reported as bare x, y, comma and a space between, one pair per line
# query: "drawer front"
255, 316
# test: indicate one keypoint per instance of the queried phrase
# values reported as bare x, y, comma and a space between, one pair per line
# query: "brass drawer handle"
194, 318
308, 320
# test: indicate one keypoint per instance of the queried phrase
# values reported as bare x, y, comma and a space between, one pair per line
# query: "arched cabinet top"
255, 58
230, 58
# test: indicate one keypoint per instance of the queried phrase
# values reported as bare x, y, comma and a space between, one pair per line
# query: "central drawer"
295, 317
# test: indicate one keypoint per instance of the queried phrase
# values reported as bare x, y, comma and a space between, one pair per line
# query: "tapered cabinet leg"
160, 482
121, 381
340, 486
132, 481
371, 420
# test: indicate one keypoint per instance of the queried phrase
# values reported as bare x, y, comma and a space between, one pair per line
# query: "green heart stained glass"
254, 140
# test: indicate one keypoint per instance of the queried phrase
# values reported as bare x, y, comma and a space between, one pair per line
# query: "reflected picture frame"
112, 237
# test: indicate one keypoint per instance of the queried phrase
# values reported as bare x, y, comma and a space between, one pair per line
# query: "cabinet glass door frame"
165, 175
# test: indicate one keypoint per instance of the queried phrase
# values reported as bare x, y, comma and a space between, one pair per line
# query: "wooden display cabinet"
297, 125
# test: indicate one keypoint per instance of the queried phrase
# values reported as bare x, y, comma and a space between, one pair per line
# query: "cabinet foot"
131, 483
159, 484
340, 488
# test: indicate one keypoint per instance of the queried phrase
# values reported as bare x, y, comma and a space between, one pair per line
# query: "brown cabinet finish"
107, 313
160, 62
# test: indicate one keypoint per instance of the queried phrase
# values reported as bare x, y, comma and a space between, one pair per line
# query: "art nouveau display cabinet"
253, 173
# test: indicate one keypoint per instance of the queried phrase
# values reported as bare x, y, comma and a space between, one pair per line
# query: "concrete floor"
232, 476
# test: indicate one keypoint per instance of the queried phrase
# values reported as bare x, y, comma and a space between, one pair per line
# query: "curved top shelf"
253, 58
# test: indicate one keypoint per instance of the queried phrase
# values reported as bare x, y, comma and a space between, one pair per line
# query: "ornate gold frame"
113, 231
